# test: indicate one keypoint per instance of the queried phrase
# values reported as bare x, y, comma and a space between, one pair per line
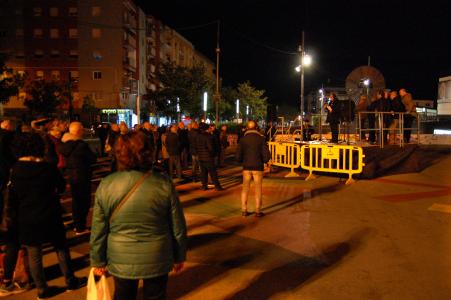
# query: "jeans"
37, 268
408, 120
81, 202
207, 167
334, 130
154, 288
258, 179
10, 259
393, 126
195, 165
175, 160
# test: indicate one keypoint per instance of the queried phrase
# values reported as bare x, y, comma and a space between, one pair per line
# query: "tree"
43, 97
10, 82
183, 86
227, 105
249, 95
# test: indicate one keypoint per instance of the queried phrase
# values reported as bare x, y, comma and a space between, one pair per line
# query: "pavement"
384, 238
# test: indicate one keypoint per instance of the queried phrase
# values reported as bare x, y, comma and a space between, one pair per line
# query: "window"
37, 33
96, 75
19, 32
96, 33
53, 11
55, 75
73, 53
37, 11
40, 74
54, 53
73, 33
38, 53
54, 33
95, 11
74, 74
73, 11
97, 55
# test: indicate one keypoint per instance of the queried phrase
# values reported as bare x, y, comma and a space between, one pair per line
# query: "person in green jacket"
146, 237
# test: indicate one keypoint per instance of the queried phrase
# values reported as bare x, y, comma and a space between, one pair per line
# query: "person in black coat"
333, 116
192, 137
253, 153
37, 218
206, 154
173, 148
79, 158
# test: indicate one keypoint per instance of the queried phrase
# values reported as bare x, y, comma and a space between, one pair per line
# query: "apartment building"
109, 49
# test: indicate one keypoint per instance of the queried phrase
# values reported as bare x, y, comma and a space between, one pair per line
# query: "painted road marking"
445, 208
443, 190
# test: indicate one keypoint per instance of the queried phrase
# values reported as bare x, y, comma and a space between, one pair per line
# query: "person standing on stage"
333, 116
411, 113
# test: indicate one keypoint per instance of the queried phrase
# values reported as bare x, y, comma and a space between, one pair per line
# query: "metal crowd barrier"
333, 159
286, 155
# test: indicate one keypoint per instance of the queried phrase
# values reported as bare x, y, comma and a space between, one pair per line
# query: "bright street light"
238, 107
306, 60
205, 105
366, 82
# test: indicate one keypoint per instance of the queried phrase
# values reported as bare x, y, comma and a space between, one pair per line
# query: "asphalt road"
385, 238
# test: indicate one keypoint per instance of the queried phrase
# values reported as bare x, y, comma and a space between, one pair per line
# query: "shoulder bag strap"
126, 197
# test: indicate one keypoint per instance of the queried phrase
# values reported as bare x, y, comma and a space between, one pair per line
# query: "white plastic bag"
99, 290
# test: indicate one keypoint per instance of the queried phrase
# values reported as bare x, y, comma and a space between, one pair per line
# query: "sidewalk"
385, 238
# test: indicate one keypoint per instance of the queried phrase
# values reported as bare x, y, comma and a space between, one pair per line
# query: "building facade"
109, 50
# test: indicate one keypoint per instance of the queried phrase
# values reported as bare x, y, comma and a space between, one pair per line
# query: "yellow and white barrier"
286, 155
333, 159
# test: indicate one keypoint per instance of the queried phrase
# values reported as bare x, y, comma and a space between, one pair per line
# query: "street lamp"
237, 109
205, 105
247, 112
321, 92
306, 60
138, 100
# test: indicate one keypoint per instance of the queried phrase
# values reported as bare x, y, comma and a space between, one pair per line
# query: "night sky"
409, 43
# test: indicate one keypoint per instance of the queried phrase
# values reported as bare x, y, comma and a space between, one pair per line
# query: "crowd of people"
390, 104
138, 228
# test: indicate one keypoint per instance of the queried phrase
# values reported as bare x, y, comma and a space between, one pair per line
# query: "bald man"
253, 153
79, 159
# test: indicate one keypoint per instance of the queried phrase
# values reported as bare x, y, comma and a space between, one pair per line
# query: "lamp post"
217, 95
237, 109
205, 106
306, 60
321, 92
138, 100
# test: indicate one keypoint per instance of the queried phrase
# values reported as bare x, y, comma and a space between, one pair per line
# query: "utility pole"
217, 95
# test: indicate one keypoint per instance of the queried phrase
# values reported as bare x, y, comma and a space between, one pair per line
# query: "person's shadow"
219, 253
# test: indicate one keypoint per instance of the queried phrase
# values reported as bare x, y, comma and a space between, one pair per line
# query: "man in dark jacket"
206, 154
173, 147
150, 139
253, 153
79, 158
192, 137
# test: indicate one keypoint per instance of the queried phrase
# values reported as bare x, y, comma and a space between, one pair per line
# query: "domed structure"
364, 80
